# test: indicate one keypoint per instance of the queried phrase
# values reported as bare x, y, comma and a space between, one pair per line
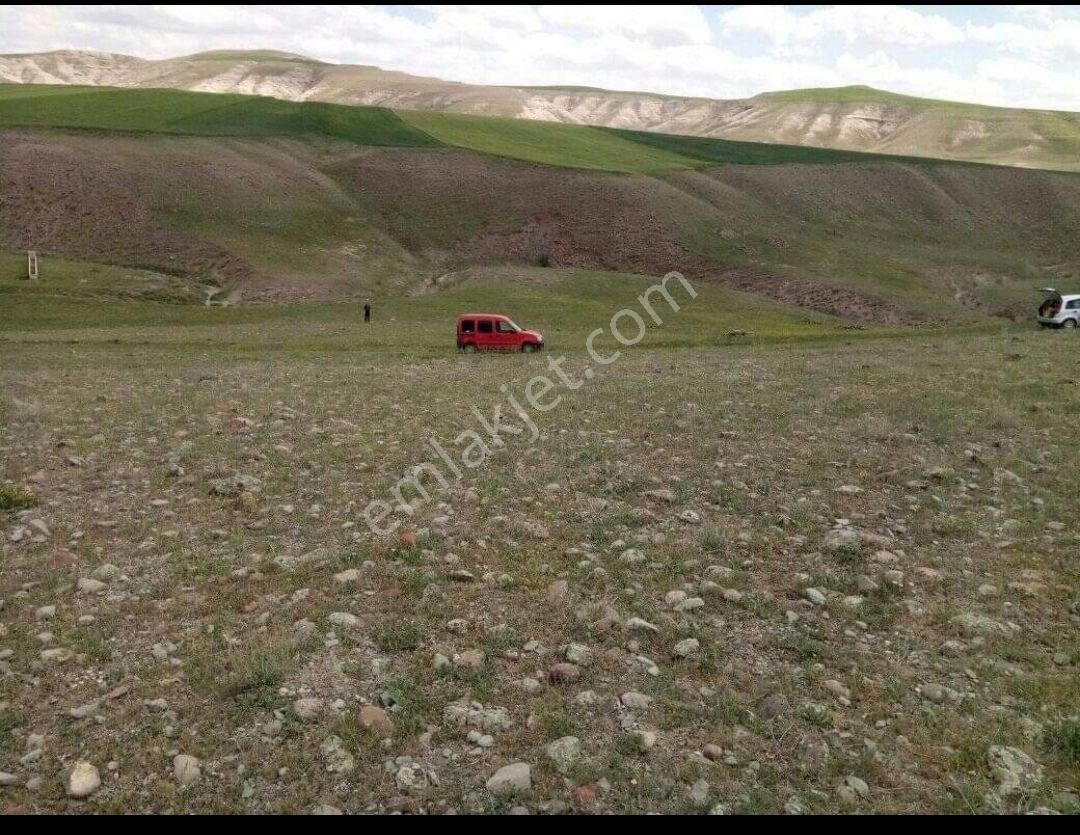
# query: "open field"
761, 563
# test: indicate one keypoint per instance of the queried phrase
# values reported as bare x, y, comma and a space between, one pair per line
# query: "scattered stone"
511, 779
376, 721
578, 654
699, 794
639, 625
336, 758
344, 620
815, 596
686, 648
471, 659
83, 780
851, 790
558, 591
88, 585
842, 539
233, 486
774, 707
186, 770
1014, 770
308, 709
348, 577
972, 623
564, 673
564, 753
636, 701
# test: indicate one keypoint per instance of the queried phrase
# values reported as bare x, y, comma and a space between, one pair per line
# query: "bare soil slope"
301, 218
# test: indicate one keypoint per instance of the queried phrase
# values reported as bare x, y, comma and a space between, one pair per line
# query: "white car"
1059, 311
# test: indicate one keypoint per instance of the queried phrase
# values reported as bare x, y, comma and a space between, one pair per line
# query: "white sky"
1024, 56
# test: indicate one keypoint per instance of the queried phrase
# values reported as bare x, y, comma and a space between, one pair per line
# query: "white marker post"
31, 265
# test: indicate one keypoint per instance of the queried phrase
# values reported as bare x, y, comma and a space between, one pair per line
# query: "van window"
468, 326
506, 327
484, 327
1074, 305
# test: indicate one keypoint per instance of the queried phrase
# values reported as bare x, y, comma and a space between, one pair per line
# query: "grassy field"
920, 483
84, 304
203, 114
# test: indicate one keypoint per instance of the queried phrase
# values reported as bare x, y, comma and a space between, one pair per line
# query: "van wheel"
469, 349
1071, 324
528, 348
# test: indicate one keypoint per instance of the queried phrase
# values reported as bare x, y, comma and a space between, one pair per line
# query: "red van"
494, 332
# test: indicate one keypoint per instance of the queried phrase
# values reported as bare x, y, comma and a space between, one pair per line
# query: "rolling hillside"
268, 199
850, 118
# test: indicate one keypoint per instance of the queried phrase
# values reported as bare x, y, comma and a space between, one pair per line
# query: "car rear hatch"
1052, 306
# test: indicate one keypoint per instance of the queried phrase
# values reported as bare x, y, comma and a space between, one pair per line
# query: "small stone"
636, 701
564, 674
564, 753
841, 539
308, 709
815, 596
344, 620
1014, 770
578, 654
558, 591
88, 585
893, 577
186, 770
376, 721
773, 707
639, 625
83, 780
348, 577
699, 794
511, 779
851, 790
471, 659
686, 648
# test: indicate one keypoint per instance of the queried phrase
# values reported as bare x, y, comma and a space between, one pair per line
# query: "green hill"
274, 200
854, 118
210, 114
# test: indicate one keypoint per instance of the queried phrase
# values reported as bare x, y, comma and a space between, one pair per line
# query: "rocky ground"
785, 579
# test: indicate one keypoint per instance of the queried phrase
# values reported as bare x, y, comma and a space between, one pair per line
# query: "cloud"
872, 25
954, 52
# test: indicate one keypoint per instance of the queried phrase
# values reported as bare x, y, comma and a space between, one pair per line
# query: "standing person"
367, 312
